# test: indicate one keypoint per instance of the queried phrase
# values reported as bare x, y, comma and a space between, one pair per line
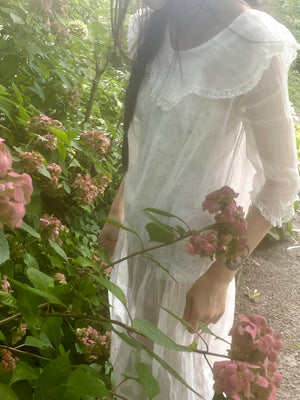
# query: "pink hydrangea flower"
84, 190
52, 228
5, 285
95, 141
55, 172
48, 141
8, 362
93, 343
60, 278
32, 161
15, 193
253, 340
5, 159
226, 239
41, 125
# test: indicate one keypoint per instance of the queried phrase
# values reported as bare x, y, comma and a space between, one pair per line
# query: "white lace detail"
275, 221
250, 43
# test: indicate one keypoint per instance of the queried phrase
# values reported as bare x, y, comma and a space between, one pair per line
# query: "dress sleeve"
136, 24
271, 144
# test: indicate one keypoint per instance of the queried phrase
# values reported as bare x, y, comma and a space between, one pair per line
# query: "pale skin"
206, 299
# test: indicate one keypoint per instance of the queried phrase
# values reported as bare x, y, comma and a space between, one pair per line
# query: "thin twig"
19, 315
15, 350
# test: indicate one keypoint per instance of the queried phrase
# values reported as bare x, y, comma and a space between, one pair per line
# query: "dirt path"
274, 272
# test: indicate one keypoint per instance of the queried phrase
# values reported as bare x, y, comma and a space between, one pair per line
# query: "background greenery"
57, 58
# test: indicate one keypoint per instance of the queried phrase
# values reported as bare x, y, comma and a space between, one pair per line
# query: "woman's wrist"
219, 271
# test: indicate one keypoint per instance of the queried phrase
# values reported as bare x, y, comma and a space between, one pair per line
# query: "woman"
207, 106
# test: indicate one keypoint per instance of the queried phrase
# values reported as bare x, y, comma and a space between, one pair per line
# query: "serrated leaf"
30, 230
23, 372
84, 384
114, 289
7, 299
43, 171
7, 393
2, 337
48, 296
60, 134
147, 381
58, 249
52, 382
156, 335
35, 342
4, 248
30, 261
159, 233
39, 279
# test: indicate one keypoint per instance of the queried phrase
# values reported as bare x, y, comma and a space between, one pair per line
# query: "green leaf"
160, 266
17, 19
23, 372
7, 299
58, 249
28, 307
2, 337
84, 384
159, 232
4, 248
7, 393
35, 342
30, 261
43, 171
159, 212
121, 226
114, 289
48, 296
172, 371
156, 335
147, 381
52, 382
61, 149
3, 90
51, 326
30, 230
60, 134
39, 279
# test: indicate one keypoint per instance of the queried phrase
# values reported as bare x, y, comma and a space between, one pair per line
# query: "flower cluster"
8, 362
15, 191
48, 141
252, 371
78, 29
226, 238
93, 344
84, 190
41, 124
60, 278
52, 228
5, 285
18, 333
253, 340
100, 181
32, 161
55, 172
95, 141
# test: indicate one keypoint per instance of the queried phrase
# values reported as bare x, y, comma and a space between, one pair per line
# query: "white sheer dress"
219, 114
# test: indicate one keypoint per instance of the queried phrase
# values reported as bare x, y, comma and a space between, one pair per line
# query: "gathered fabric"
214, 115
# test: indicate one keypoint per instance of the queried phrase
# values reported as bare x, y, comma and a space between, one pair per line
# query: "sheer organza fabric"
218, 114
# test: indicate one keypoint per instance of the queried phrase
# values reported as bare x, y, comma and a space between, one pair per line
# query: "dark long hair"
149, 43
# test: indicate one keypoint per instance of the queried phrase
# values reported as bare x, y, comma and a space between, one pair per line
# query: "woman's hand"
206, 299
108, 238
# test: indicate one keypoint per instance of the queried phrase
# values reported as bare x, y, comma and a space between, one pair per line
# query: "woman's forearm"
117, 208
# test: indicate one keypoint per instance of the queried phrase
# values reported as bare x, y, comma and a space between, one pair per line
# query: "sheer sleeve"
271, 144
136, 24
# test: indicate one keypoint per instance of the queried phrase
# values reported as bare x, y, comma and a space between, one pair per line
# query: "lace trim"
275, 221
